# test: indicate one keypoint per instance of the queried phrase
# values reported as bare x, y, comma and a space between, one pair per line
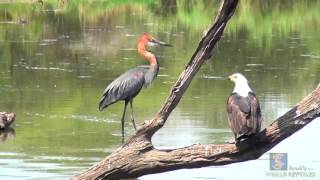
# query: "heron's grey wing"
237, 113
124, 87
255, 113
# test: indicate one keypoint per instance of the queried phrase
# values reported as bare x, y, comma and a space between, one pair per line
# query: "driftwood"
139, 157
6, 119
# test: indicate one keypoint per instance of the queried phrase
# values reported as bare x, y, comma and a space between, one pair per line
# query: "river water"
56, 59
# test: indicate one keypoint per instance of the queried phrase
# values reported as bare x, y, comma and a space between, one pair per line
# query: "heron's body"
243, 109
128, 85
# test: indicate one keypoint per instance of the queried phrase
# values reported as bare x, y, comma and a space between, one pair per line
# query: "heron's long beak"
156, 41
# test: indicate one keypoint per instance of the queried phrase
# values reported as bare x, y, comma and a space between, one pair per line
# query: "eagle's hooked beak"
231, 78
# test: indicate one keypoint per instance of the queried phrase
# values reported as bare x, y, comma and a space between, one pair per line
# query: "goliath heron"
128, 85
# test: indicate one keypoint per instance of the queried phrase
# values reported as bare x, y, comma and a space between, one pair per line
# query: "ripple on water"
39, 54
74, 116
84, 77
47, 42
213, 77
253, 65
312, 56
128, 49
46, 68
90, 118
275, 68
130, 35
163, 75
168, 82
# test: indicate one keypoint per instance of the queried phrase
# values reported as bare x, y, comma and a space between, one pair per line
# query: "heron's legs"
122, 120
132, 115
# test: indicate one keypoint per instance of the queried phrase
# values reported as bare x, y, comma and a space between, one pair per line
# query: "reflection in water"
6, 134
54, 67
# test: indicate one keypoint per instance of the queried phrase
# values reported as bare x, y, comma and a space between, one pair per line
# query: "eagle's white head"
241, 84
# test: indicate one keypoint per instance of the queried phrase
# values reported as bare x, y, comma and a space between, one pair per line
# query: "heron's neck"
146, 54
242, 89
150, 74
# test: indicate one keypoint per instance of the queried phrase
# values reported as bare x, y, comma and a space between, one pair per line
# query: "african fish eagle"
243, 109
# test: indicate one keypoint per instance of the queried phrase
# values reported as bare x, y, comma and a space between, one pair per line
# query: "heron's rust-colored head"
147, 39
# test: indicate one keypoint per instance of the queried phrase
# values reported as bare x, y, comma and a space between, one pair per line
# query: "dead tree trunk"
138, 156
